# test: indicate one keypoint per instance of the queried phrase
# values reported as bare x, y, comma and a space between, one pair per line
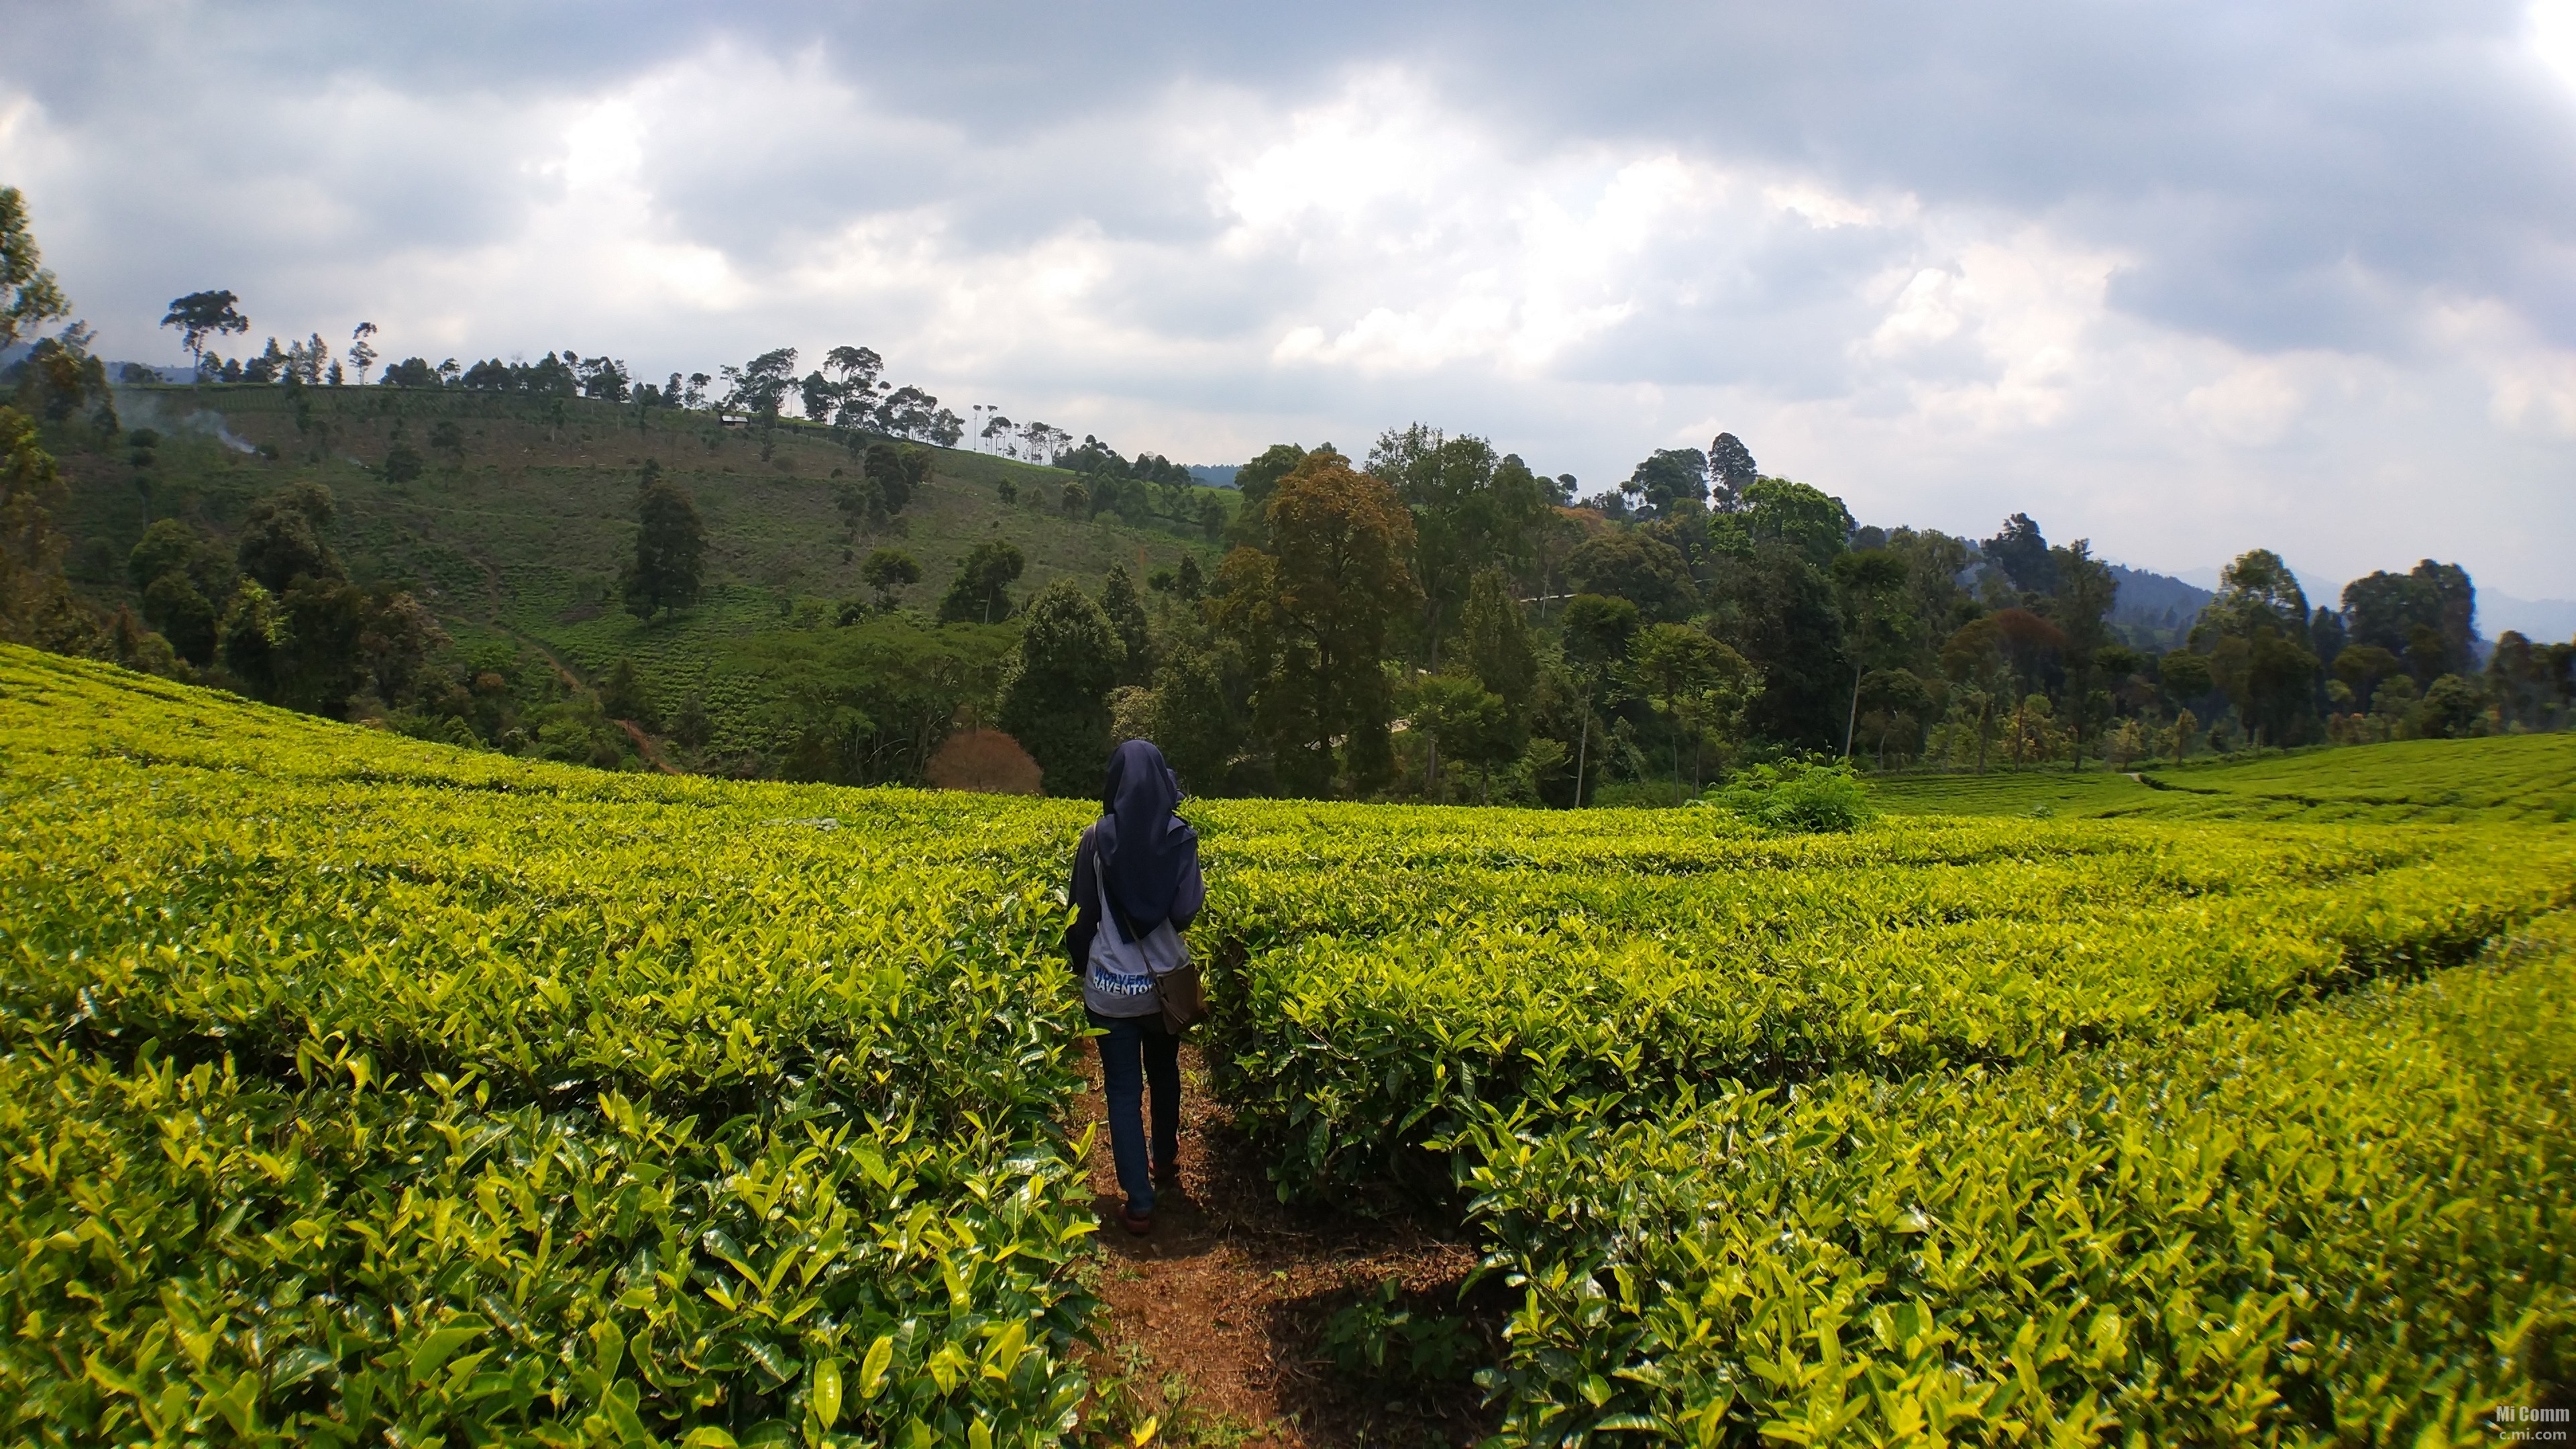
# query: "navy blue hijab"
1145, 850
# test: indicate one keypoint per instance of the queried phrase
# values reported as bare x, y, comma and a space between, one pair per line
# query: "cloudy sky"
2186, 277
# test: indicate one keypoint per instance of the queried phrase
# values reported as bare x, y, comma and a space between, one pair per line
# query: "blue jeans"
1137, 1050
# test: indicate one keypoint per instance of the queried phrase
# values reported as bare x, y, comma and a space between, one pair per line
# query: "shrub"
1796, 795
986, 761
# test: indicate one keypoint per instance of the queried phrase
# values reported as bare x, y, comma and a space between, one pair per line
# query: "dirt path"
644, 746
1214, 1319
643, 742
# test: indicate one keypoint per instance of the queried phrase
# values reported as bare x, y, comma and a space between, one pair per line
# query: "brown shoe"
1167, 1172
1140, 1226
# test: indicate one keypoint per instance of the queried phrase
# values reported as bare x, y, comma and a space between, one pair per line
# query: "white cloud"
2251, 406
2553, 36
1932, 274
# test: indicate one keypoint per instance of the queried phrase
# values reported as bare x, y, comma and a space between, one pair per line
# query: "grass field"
354, 1089
2530, 778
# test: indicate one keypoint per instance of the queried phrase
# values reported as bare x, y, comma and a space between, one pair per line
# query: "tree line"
1438, 620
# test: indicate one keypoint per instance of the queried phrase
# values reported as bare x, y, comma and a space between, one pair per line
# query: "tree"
402, 460
1700, 684
1497, 643
1672, 482
62, 375
2450, 710
1776, 603
670, 548
1056, 700
35, 601
2361, 667
362, 352
1471, 511
2386, 610
2080, 604
1897, 704
29, 296
981, 592
1974, 656
1126, 613
888, 571
861, 503
1876, 624
855, 387
1638, 567
1730, 470
986, 761
179, 577
1255, 481
1466, 722
760, 387
201, 315
2255, 633
281, 538
1808, 522
1315, 612
623, 696
897, 472
1194, 718
1596, 633
2022, 553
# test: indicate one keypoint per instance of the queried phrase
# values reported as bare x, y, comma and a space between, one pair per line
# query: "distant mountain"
2155, 599
179, 372
2543, 621
1214, 475
2547, 621
16, 352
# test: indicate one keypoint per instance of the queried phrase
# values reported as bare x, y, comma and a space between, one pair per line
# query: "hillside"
516, 529
2528, 778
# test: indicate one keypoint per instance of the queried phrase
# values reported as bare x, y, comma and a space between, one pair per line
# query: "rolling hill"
523, 513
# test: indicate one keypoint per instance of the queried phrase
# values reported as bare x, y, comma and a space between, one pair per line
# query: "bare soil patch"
1215, 1321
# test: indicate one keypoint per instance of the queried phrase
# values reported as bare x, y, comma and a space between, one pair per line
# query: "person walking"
1136, 884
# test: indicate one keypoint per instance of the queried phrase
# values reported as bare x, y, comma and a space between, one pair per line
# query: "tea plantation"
360, 1090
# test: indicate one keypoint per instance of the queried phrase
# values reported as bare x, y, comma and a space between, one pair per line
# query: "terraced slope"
2527, 778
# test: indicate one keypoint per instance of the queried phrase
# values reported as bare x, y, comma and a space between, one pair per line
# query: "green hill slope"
522, 517
2529, 778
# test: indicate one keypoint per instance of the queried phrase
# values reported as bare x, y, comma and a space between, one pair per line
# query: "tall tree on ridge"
760, 388
200, 315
